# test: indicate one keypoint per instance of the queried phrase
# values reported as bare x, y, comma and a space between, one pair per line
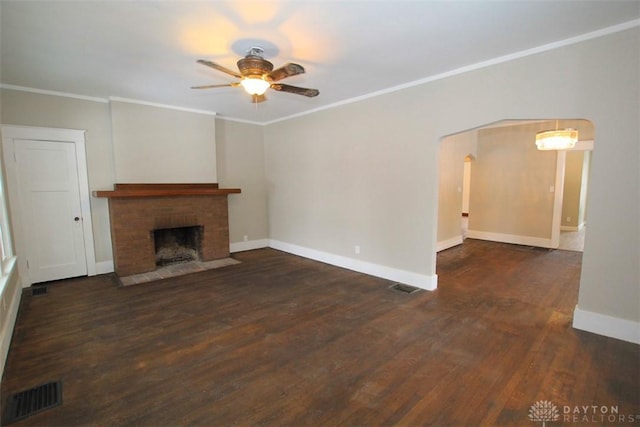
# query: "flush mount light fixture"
558, 139
255, 85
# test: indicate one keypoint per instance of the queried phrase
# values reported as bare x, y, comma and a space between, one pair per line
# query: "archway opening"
514, 193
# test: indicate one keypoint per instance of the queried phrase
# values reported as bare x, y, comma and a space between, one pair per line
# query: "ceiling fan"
257, 75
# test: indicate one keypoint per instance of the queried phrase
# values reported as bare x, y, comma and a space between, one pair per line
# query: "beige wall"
511, 182
572, 197
584, 191
366, 173
155, 144
354, 176
453, 151
240, 153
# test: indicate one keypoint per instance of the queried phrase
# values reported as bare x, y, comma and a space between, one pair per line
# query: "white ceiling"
147, 50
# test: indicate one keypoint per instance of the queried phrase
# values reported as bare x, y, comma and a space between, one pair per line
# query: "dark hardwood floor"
280, 340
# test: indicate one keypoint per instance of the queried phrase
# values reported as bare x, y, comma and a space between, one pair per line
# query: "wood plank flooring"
280, 340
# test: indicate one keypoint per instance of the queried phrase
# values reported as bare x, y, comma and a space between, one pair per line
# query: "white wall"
366, 173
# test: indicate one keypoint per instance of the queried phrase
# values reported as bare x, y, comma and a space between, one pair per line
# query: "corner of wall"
422, 281
248, 245
449, 243
609, 326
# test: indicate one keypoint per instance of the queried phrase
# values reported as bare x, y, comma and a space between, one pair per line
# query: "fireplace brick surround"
136, 210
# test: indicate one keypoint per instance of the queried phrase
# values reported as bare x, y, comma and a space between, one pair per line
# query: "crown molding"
233, 119
477, 66
154, 104
54, 93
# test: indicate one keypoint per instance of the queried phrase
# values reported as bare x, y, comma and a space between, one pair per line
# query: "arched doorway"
517, 194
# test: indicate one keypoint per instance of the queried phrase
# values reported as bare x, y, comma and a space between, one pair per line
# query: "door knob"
76, 219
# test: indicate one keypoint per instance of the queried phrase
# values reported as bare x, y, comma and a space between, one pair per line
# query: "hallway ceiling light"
559, 139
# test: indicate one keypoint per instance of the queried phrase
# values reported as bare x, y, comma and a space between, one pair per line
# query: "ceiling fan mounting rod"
256, 51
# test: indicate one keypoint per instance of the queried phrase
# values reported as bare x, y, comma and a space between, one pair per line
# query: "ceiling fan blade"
287, 70
258, 98
214, 86
219, 68
295, 89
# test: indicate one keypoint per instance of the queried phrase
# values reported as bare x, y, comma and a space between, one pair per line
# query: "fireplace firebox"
177, 245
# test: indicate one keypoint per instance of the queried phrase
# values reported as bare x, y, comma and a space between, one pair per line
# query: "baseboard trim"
104, 267
421, 281
609, 326
510, 238
571, 227
249, 245
449, 243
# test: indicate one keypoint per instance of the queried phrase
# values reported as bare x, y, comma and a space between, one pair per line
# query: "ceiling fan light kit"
256, 75
255, 85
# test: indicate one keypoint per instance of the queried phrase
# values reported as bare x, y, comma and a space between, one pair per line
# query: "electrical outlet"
246, 238
357, 249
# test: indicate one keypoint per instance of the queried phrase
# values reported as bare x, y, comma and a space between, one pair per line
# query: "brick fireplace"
137, 211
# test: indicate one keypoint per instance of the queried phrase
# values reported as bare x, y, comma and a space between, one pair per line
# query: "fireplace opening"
177, 245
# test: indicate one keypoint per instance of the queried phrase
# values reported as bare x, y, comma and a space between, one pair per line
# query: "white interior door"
49, 195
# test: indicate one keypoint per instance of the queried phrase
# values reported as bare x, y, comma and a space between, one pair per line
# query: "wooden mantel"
164, 190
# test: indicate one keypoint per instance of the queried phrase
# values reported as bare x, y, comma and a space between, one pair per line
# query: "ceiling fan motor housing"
254, 65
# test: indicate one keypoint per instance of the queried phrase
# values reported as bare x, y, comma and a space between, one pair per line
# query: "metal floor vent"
29, 402
38, 290
404, 288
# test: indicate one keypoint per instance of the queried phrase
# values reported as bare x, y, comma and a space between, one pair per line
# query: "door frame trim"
561, 160
10, 133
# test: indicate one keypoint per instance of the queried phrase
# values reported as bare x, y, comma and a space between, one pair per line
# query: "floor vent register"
404, 288
29, 402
